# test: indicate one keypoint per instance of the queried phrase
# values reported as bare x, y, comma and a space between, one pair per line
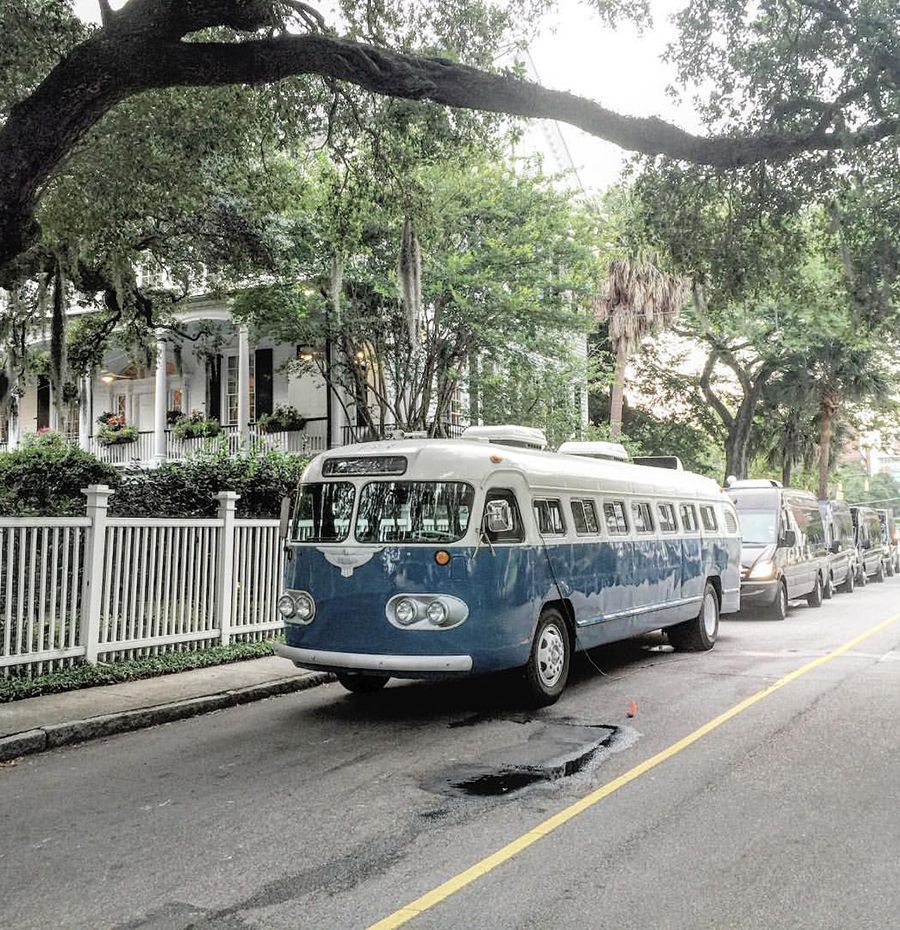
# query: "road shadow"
470, 700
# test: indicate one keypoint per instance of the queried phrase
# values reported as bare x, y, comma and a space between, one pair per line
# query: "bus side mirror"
789, 539
285, 519
836, 547
498, 517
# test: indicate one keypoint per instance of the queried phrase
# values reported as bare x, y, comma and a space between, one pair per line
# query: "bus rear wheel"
547, 669
701, 633
362, 684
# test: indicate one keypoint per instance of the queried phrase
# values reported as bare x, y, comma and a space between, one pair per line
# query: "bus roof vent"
659, 461
524, 437
612, 451
753, 483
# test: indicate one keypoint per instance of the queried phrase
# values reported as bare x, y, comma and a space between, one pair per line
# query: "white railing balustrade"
101, 588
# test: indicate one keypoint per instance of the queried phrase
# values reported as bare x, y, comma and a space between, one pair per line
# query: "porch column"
85, 416
12, 424
243, 385
159, 403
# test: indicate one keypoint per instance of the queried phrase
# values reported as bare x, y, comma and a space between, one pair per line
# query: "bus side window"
708, 515
548, 514
641, 517
730, 521
614, 515
688, 518
517, 533
666, 518
585, 518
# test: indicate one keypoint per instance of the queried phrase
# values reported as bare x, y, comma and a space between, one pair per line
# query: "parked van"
841, 544
870, 548
783, 553
890, 536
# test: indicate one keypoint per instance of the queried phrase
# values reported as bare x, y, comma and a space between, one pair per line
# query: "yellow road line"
489, 863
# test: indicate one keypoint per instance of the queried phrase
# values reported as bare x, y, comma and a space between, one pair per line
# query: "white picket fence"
101, 588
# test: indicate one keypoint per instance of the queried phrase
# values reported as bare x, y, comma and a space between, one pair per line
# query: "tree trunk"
826, 415
787, 468
617, 396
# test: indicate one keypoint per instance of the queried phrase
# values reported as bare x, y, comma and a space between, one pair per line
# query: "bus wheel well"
716, 582
565, 607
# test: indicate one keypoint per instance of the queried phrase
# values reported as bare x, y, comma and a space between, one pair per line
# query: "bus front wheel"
701, 633
547, 670
362, 684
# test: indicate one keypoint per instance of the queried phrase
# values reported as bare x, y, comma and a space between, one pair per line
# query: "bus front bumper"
369, 662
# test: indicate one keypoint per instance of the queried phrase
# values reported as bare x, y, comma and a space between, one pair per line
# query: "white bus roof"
474, 461
595, 450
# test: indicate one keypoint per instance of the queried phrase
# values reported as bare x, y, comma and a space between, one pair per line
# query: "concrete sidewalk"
52, 720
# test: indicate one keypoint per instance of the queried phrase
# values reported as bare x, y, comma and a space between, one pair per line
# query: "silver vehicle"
890, 536
871, 550
843, 562
783, 552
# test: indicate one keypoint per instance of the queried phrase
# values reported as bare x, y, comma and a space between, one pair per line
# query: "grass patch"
89, 676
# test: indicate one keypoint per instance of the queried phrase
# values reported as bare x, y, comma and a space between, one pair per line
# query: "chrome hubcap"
551, 655
709, 615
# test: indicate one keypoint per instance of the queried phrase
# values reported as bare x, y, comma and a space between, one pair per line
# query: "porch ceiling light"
108, 377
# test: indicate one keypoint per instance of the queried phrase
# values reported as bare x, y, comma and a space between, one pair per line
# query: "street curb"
55, 735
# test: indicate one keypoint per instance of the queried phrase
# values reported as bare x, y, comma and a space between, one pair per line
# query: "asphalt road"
323, 810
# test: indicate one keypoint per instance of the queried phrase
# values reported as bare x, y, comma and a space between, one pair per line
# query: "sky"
574, 51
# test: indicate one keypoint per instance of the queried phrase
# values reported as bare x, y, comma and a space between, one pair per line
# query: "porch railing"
352, 434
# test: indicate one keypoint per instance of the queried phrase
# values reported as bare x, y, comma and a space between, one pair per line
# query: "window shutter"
263, 385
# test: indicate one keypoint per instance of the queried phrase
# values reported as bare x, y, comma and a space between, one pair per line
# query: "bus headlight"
306, 608
297, 607
405, 612
437, 613
420, 612
763, 571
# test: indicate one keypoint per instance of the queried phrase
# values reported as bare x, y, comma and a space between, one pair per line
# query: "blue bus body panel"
617, 589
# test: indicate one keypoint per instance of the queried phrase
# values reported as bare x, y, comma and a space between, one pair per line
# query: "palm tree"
640, 299
844, 375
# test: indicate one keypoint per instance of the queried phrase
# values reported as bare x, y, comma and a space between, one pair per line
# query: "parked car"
890, 536
870, 548
841, 544
783, 553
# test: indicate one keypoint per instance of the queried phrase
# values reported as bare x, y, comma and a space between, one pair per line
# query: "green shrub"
45, 477
196, 426
283, 419
189, 488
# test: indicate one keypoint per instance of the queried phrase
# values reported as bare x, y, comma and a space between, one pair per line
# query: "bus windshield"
323, 511
759, 527
414, 511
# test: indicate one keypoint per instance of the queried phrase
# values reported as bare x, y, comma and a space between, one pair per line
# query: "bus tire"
547, 669
701, 633
779, 607
362, 684
828, 590
879, 574
814, 598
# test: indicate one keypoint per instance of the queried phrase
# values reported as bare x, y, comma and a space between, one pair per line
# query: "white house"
227, 378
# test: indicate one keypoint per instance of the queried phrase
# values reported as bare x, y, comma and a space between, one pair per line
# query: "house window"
176, 400
231, 388
121, 406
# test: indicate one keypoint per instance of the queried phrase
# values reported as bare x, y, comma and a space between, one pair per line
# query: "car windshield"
323, 511
414, 511
759, 527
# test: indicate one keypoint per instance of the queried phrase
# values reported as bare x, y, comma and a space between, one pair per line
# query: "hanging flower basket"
196, 426
283, 419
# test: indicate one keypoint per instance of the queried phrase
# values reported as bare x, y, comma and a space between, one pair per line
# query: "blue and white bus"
416, 558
